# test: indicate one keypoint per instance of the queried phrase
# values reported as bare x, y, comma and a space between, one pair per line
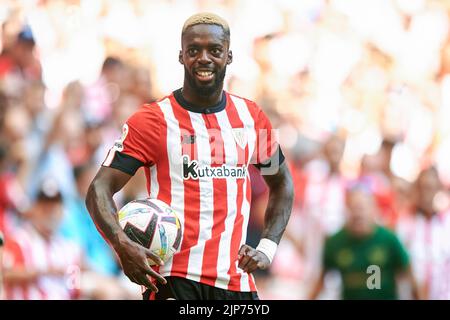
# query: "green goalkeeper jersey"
368, 266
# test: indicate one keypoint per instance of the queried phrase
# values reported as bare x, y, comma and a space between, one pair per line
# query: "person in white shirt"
426, 235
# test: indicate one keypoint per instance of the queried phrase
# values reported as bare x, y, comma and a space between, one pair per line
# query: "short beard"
206, 91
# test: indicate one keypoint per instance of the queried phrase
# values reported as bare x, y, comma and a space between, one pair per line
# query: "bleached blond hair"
206, 18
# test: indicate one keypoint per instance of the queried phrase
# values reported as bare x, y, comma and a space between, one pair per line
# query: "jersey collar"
188, 106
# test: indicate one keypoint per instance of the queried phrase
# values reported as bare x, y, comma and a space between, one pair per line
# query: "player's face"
360, 213
205, 54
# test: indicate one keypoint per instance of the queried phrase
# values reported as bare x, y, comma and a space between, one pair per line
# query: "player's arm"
279, 207
103, 210
281, 196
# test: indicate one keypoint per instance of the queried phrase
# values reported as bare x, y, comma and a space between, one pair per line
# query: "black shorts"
184, 289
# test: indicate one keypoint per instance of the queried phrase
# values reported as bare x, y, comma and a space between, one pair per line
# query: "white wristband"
268, 247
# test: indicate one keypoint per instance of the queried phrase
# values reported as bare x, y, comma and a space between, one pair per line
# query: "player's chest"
354, 258
211, 139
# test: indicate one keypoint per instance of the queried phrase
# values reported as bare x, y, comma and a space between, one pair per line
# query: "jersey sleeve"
139, 143
267, 149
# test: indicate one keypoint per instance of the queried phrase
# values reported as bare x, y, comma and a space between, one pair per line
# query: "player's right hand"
251, 259
134, 260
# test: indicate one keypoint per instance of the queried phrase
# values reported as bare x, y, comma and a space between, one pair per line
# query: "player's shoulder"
149, 108
385, 232
387, 236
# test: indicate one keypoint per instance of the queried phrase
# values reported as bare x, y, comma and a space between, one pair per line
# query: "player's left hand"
251, 259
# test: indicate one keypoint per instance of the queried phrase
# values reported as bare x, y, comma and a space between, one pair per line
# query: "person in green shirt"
369, 258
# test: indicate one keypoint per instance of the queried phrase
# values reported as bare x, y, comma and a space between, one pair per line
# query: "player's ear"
230, 57
180, 57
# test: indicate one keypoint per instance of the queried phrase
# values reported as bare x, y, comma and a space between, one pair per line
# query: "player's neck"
192, 97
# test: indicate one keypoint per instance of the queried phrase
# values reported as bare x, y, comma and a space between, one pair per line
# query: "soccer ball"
154, 225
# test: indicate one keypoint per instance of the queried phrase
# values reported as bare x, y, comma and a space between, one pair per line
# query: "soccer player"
369, 257
195, 146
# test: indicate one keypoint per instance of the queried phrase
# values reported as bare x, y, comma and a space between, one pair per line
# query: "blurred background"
359, 89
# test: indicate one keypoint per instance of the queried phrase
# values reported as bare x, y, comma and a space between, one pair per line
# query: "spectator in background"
39, 127
5, 201
324, 204
100, 96
49, 144
41, 264
287, 272
18, 64
426, 234
40, 116
376, 171
383, 86
12, 195
37, 262
15, 129
104, 280
69, 126
78, 227
324, 192
4, 103
359, 246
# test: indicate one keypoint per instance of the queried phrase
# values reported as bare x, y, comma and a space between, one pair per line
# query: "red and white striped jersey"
26, 249
428, 243
197, 163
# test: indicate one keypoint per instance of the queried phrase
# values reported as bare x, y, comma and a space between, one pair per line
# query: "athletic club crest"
240, 136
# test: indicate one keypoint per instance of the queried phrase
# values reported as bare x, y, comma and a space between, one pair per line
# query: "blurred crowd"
358, 90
